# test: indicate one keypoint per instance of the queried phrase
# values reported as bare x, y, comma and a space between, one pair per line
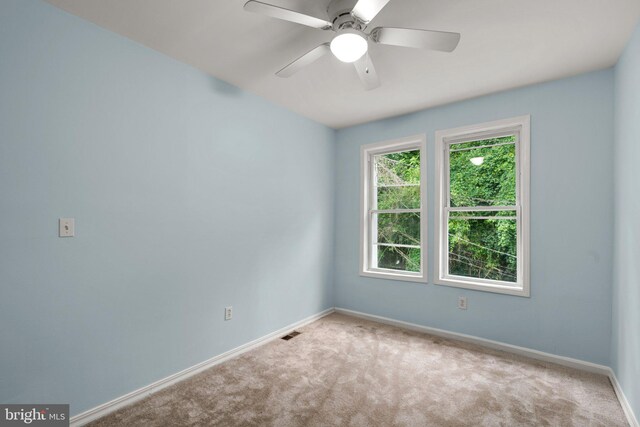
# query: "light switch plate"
66, 227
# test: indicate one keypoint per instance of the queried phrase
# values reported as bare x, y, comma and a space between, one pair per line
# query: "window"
482, 197
393, 204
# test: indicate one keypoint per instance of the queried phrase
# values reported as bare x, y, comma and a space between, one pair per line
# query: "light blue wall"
625, 356
569, 312
189, 195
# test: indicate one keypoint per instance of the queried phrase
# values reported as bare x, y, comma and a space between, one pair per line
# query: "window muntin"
483, 212
393, 203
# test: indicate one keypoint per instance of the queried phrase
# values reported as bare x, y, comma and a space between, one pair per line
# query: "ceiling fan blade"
366, 10
304, 60
421, 39
367, 72
286, 14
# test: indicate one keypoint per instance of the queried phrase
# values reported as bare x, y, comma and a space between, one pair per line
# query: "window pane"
483, 176
397, 168
483, 248
398, 228
398, 258
399, 197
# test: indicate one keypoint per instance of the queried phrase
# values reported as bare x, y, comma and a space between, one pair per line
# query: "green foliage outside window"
483, 248
478, 247
398, 187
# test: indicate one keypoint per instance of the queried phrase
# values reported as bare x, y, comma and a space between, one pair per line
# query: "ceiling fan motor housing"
339, 12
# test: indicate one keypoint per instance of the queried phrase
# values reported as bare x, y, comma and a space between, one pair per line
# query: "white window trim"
522, 287
366, 153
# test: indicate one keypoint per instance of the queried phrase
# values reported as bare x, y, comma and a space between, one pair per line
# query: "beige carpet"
344, 371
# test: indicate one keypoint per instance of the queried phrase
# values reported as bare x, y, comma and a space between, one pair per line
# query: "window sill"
407, 277
520, 291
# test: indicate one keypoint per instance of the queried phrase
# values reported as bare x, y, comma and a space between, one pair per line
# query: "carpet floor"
345, 371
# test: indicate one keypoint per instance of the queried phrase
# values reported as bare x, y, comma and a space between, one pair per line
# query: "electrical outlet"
66, 227
462, 303
228, 313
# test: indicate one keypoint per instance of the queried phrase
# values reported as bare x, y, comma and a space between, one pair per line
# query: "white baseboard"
129, 398
496, 345
522, 351
626, 407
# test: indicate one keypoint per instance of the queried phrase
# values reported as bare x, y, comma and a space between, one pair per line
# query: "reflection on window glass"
483, 176
399, 258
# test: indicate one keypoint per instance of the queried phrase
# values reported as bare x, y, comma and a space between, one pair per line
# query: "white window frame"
521, 125
416, 142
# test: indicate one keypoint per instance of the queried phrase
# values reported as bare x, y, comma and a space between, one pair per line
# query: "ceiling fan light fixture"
349, 45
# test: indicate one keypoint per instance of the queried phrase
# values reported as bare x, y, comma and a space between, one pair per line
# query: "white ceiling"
504, 44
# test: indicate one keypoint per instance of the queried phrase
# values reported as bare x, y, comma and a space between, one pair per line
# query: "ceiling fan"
349, 19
